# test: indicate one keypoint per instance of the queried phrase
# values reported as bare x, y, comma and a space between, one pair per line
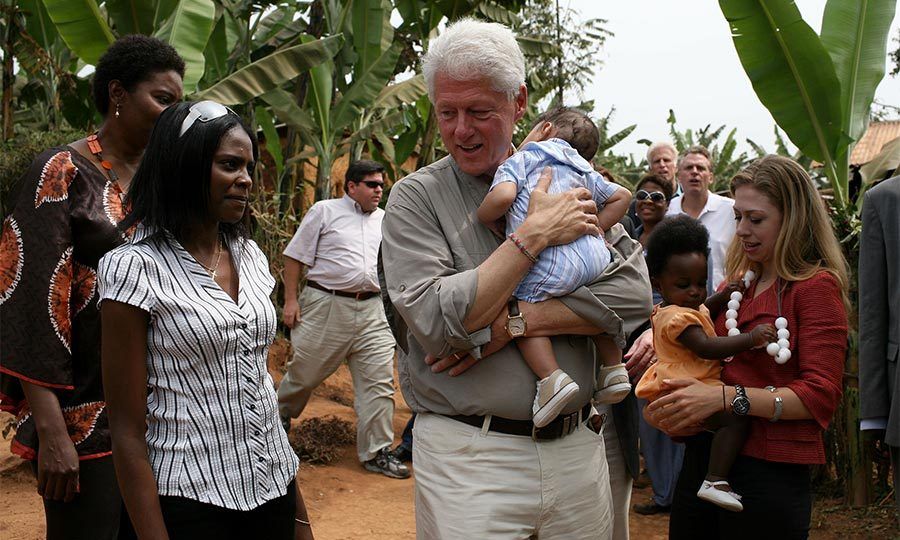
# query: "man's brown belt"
561, 426
357, 295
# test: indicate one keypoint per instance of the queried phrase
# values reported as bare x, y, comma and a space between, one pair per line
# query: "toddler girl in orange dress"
686, 342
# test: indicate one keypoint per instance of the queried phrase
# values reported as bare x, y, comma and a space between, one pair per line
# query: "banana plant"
337, 112
818, 88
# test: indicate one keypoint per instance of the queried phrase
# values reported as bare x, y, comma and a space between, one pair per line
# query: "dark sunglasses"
655, 196
372, 183
203, 111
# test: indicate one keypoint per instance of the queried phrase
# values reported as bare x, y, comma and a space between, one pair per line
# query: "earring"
117, 110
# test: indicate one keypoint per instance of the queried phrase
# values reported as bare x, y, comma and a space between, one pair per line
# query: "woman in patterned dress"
65, 218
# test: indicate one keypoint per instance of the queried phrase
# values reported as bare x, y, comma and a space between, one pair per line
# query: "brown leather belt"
357, 295
561, 426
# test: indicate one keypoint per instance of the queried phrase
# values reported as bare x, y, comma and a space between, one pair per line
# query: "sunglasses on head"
655, 196
203, 111
372, 183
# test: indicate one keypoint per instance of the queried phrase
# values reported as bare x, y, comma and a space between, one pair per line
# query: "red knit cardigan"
817, 322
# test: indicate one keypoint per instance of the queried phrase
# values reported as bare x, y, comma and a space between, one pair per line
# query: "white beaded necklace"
780, 349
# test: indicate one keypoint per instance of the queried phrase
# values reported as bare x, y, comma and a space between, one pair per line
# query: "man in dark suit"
879, 317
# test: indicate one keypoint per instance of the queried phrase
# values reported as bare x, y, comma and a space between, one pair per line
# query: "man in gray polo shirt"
481, 470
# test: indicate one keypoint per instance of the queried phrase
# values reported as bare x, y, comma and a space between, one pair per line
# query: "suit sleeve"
873, 315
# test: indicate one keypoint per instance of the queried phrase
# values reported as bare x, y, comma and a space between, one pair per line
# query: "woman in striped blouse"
187, 323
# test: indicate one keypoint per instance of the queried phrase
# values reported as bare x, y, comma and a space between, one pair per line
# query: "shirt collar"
143, 232
353, 205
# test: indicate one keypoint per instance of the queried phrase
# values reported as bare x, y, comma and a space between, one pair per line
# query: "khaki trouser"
333, 329
475, 483
620, 482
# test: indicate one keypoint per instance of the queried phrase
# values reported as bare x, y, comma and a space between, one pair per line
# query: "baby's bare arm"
497, 202
614, 209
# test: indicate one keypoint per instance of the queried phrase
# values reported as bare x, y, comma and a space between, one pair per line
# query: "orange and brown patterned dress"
65, 219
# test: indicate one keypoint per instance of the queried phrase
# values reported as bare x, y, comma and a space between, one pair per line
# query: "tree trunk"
8, 76
323, 178
426, 148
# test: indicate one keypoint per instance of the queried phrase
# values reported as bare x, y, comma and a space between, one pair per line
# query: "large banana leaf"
369, 31
216, 52
132, 16
273, 142
188, 29
81, 26
271, 71
285, 107
792, 74
408, 91
855, 34
365, 88
38, 23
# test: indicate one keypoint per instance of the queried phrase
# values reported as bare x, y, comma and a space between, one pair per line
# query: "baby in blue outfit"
565, 140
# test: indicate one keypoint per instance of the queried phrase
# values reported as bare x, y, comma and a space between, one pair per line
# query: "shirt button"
257, 433
252, 407
246, 351
243, 326
260, 459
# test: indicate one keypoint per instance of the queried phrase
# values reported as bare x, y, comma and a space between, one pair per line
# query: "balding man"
482, 469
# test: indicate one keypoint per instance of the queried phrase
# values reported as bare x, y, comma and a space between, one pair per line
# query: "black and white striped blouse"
213, 433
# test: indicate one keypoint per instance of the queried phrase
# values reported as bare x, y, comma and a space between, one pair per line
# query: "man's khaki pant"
333, 329
476, 483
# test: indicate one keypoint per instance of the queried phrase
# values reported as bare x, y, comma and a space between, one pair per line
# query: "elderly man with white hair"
482, 469
661, 160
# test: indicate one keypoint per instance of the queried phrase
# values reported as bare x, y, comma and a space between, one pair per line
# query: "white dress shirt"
339, 243
213, 433
718, 218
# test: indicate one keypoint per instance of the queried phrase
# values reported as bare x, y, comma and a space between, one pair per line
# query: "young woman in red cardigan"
788, 256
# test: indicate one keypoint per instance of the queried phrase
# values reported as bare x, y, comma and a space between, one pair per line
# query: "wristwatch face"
515, 326
740, 405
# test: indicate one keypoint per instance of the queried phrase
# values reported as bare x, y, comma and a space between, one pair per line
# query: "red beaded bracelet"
515, 239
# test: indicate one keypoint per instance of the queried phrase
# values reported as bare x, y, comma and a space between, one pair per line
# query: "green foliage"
562, 58
818, 89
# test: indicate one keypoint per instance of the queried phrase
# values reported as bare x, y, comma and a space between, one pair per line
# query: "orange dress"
675, 360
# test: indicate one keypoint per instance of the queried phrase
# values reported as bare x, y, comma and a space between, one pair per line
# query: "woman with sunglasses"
67, 210
651, 196
187, 316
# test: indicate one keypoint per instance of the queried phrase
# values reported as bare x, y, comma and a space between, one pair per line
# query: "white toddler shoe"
729, 500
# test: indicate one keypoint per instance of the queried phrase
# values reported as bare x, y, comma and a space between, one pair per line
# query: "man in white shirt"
714, 211
339, 315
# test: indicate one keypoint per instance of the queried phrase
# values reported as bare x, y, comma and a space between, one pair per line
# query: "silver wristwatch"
779, 405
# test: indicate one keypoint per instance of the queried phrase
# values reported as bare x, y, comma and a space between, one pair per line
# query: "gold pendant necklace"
215, 268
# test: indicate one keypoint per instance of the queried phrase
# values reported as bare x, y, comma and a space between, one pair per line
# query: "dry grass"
318, 440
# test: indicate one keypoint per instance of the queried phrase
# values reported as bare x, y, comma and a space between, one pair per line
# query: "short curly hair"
677, 235
132, 60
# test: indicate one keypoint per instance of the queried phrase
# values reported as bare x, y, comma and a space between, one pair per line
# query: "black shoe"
651, 508
402, 454
286, 424
385, 463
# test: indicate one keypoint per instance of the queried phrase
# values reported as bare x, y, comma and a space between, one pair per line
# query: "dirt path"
346, 502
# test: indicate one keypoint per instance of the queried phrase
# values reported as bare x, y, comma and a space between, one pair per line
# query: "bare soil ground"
346, 502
